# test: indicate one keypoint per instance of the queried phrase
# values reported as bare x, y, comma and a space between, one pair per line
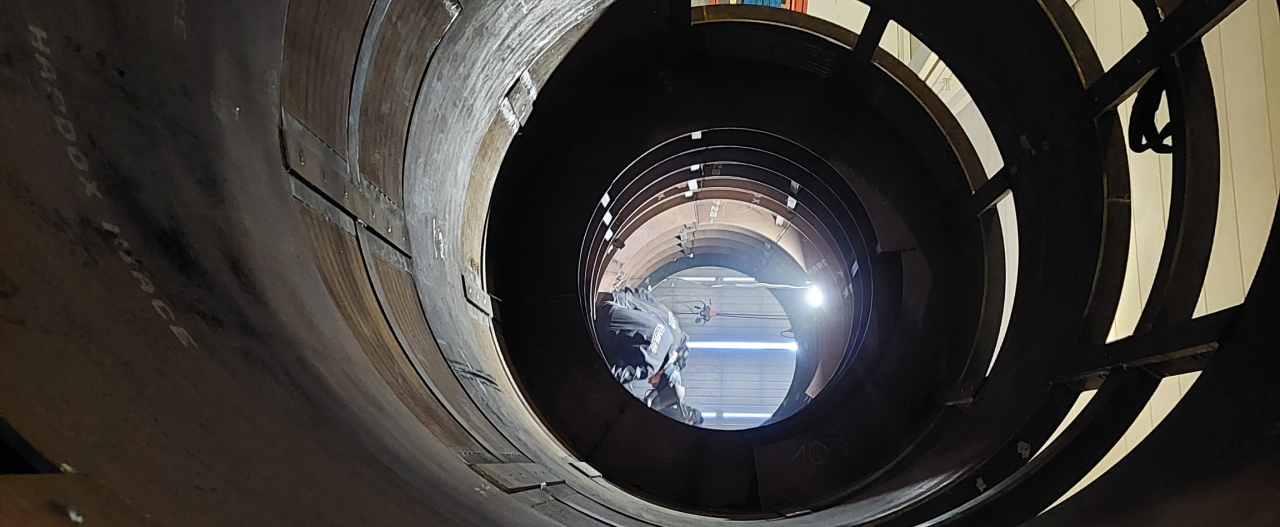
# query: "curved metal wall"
242, 276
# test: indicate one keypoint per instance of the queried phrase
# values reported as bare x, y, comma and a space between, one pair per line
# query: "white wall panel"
1249, 130
1244, 61
848, 13
1167, 395
1243, 54
1224, 283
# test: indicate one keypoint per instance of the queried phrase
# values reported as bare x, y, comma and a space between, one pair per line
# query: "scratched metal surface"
484, 53
162, 326
165, 330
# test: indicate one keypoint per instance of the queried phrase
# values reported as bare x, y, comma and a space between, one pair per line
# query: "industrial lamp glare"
814, 296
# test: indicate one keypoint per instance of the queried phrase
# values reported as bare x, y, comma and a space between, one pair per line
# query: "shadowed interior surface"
324, 262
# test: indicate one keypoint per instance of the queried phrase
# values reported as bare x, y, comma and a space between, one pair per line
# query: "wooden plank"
406, 312
401, 52
321, 41
338, 257
60, 500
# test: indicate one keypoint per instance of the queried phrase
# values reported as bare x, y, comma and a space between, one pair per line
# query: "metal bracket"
515, 477
475, 294
586, 469
312, 160
317, 202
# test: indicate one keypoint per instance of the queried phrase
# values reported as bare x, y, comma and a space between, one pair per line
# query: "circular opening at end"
629, 184
722, 345
722, 292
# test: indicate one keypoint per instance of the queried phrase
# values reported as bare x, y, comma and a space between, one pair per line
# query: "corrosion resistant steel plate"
515, 477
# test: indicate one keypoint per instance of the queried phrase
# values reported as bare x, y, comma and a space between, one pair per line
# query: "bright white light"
814, 296
693, 183
604, 202
608, 218
688, 193
789, 346
697, 278
746, 415
708, 415
791, 202
738, 279
608, 235
696, 135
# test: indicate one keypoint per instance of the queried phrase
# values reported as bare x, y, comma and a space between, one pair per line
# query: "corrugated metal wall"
746, 384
